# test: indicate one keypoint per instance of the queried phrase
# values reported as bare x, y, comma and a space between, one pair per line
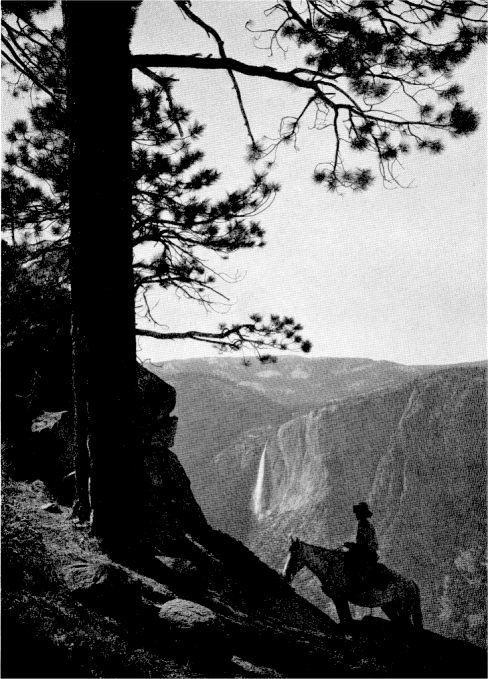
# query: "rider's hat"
362, 509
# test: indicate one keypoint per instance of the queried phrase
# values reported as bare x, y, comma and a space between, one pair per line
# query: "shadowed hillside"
208, 609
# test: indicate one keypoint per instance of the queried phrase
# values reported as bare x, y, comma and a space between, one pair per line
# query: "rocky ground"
207, 609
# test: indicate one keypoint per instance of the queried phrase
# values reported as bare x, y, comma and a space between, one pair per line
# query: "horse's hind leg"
410, 614
343, 610
417, 620
392, 612
397, 614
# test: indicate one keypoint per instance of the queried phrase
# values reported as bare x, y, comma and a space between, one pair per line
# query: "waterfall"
257, 496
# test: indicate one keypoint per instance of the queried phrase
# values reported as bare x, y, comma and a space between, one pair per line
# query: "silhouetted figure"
398, 597
362, 560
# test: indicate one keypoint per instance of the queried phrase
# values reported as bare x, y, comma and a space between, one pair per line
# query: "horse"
399, 598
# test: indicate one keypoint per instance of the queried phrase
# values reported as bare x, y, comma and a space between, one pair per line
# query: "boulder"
191, 623
95, 581
117, 592
47, 420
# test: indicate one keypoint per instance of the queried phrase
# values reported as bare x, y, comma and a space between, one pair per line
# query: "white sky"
388, 274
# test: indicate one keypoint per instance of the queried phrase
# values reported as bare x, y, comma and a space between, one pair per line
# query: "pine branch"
280, 333
184, 6
17, 63
213, 63
190, 334
290, 77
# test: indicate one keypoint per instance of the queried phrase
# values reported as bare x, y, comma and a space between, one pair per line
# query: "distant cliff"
429, 494
228, 411
418, 455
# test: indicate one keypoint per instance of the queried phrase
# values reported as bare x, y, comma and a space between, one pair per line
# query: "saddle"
363, 571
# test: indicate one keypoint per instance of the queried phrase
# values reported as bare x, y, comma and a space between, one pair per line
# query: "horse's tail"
417, 618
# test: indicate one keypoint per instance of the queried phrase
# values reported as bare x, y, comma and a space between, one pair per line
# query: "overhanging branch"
278, 332
213, 63
216, 337
195, 61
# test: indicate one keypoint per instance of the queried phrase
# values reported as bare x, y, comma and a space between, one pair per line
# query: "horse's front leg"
343, 611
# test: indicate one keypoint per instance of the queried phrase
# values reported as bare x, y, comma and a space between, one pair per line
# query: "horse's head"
294, 561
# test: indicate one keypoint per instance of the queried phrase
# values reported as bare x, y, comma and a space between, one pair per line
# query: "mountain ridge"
298, 382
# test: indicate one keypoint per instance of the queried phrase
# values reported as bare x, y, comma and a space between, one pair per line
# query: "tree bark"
99, 89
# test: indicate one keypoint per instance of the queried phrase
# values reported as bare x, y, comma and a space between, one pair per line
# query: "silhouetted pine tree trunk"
104, 352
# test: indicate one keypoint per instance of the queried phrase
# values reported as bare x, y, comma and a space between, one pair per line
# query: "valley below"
288, 448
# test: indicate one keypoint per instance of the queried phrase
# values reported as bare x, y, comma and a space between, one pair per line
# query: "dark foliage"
35, 337
379, 75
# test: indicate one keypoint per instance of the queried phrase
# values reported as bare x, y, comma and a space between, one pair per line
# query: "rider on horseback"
362, 566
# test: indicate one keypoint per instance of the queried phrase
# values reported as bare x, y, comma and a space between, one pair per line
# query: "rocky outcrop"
170, 507
97, 579
155, 402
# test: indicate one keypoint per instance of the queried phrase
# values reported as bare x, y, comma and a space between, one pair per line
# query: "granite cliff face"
429, 494
328, 458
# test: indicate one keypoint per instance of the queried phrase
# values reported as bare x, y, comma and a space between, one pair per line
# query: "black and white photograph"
244, 338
